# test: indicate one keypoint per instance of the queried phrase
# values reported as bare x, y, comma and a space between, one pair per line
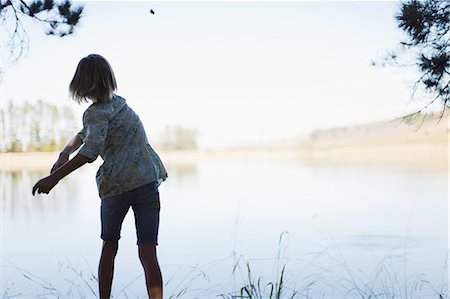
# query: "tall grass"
334, 278
326, 274
256, 288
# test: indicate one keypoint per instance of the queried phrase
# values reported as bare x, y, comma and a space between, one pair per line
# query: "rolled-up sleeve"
95, 130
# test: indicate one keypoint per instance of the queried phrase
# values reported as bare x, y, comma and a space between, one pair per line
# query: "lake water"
340, 231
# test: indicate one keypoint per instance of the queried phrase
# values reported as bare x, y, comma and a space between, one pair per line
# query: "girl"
129, 176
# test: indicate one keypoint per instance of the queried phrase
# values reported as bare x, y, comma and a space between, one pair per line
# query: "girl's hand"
45, 185
63, 158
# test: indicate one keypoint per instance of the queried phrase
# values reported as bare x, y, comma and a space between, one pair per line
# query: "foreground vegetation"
292, 278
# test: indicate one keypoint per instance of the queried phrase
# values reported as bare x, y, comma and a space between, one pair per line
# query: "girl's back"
114, 131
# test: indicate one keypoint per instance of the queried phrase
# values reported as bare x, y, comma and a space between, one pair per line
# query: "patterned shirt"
114, 131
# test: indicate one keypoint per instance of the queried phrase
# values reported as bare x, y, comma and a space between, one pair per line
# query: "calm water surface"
334, 226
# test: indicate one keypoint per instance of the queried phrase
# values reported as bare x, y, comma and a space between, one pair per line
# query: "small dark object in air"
151, 11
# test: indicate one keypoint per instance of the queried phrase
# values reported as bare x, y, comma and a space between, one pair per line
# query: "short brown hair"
94, 79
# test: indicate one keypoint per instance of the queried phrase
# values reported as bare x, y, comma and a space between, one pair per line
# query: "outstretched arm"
46, 184
96, 124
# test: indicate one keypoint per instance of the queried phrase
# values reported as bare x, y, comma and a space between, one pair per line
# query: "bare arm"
46, 184
69, 166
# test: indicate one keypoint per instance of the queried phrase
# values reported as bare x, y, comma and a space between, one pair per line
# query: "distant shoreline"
380, 143
43, 160
418, 155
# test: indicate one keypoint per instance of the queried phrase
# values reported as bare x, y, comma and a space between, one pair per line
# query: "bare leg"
106, 268
153, 279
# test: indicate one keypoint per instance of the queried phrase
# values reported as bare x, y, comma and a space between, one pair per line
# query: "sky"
240, 72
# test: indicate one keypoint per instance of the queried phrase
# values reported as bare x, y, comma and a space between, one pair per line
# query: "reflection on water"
16, 196
218, 213
183, 170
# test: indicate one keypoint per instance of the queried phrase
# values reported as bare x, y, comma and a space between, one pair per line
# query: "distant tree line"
40, 126
178, 137
35, 126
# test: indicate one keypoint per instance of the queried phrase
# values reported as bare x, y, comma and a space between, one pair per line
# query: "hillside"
424, 141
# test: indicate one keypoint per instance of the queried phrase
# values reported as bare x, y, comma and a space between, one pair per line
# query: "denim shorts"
145, 203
